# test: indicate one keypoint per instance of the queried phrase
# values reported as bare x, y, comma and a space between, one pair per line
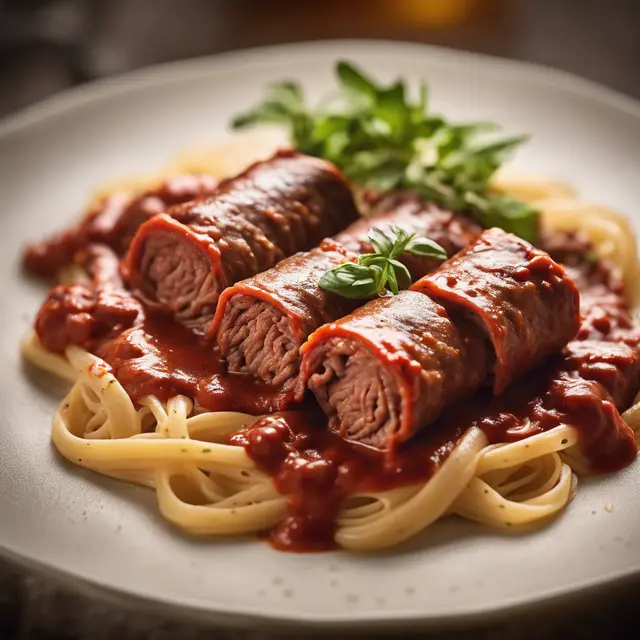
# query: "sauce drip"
316, 470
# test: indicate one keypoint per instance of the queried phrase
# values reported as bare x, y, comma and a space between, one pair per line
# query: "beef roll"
525, 301
261, 322
386, 370
183, 260
393, 365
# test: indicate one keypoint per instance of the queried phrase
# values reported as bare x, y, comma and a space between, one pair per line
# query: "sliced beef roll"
526, 302
261, 322
183, 260
392, 366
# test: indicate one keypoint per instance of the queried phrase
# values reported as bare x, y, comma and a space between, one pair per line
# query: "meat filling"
258, 339
360, 396
179, 276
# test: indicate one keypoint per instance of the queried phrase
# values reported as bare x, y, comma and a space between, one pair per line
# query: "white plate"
110, 535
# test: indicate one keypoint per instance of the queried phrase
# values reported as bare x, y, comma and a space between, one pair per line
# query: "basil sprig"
383, 140
381, 271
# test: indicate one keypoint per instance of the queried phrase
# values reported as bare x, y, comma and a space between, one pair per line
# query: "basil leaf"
282, 101
381, 242
266, 114
403, 277
507, 213
372, 258
374, 272
382, 179
327, 126
473, 128
287, 94
426, 248
335, 145
392, 281
400, 239
367, 161
391, 108
500, 145
350, 280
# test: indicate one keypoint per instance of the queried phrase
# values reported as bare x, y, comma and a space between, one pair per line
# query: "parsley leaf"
383, 140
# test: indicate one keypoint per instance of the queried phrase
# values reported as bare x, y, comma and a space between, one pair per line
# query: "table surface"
67, 42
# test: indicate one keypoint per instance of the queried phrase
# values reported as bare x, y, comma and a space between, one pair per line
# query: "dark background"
48, 46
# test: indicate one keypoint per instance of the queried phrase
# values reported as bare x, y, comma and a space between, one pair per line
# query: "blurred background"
49, 45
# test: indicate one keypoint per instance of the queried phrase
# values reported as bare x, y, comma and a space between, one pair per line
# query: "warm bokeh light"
441, 13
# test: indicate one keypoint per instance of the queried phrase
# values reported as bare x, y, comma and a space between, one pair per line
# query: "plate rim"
131, 600
171, 72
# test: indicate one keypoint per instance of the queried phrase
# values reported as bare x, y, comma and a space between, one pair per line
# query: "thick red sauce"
162, 358
596, 377
113, 221
315, 469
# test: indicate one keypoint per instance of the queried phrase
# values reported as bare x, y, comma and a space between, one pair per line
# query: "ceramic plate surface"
106, 534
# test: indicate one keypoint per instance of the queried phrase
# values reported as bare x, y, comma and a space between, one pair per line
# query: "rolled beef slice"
183, 260
261, 322
392, 366
525, 301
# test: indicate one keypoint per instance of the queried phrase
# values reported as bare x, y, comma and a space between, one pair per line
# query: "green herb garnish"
381, 271
382, 140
